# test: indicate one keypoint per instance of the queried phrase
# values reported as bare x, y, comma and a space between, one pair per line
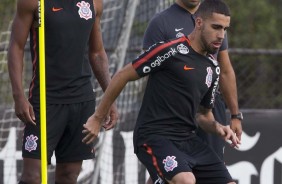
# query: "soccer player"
183, 79
73, 47
179, 20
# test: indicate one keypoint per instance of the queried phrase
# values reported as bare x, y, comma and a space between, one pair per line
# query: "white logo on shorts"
159, 181
30, 143
170, 163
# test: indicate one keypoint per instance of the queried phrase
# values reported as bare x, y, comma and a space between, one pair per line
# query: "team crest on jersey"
30, 143
182, 49
84, 10
178, 35
170, 163
209, 77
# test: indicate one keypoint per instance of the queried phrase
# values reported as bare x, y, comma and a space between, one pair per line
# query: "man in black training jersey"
72, 28
183, 79
178, 20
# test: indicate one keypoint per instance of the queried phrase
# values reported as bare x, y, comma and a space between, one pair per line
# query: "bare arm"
228, 88
22, 23
118, 82
97, 55
207, 122
99, 60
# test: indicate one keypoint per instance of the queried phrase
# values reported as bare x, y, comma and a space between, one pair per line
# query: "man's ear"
198, 23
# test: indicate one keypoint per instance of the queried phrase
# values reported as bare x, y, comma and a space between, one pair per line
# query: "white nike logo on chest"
178, 29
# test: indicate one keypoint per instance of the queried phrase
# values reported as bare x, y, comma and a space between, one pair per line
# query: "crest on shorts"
170, 163
30, 143
209, 77
84, 10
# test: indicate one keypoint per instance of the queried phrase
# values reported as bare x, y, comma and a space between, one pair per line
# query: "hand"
94, 124
111, 121
236, 126
228, 135
92, 129
24, 111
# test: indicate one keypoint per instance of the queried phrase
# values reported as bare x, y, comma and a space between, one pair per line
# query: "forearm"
15, 69
100, 67
208, 124
116, 85
228, 89
228, 82
112, 92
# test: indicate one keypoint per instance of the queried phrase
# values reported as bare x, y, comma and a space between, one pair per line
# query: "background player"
72, 28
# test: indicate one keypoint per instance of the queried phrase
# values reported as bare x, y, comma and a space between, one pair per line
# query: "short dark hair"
208, 7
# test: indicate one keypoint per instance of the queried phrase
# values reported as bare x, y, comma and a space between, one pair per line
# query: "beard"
208, 47
190, 5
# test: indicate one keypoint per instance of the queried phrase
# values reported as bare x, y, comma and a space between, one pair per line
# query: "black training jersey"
68, 24
173, 22
179, 80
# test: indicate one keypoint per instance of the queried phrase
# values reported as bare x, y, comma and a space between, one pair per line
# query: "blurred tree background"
6, 9
255, 41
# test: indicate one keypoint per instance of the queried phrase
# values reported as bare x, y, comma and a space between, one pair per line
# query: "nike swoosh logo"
188, 68
178, 29
56, 9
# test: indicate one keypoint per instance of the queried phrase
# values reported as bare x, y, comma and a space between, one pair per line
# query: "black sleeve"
155, 58
209, 99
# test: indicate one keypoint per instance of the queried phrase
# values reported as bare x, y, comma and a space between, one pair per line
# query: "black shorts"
164, 159
216, 142
64, 133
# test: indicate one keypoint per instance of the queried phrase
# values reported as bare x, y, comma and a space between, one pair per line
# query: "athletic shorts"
216, 142
64, 133
164, 159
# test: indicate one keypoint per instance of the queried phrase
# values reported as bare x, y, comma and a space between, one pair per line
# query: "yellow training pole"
42, 82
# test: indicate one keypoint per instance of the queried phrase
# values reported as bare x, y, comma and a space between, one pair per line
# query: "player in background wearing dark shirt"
178, 20
71, 29
180, 93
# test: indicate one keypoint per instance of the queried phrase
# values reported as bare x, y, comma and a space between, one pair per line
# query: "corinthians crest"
84, 10
170, 163
30, 143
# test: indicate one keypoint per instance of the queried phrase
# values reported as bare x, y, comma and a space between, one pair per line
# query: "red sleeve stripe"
156, 50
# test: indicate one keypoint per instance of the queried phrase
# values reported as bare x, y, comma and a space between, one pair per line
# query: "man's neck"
195, 44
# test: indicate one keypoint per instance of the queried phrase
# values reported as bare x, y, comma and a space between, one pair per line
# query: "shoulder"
163, 15
27, 5
28, 10
178, 45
